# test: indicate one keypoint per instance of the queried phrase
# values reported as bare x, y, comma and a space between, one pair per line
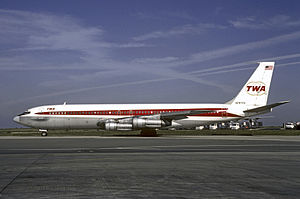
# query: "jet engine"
131, 124
113, 126
139, 123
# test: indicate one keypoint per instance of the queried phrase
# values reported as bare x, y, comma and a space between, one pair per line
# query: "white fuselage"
88, 116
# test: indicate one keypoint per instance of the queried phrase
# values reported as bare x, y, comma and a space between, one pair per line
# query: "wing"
182, 114
165, 117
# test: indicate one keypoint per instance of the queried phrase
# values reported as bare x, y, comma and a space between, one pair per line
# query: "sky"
154, 51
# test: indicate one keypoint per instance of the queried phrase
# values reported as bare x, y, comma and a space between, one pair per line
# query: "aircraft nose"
17, 119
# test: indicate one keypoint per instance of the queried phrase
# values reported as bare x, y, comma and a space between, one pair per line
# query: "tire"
44, 134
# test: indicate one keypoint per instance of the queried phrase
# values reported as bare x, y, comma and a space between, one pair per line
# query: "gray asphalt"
160, 167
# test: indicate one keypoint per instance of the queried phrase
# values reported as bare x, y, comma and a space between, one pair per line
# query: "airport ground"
93, 132
150, 167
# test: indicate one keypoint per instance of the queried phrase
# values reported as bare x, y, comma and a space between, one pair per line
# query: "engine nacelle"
139, 123
129, 124
112, 126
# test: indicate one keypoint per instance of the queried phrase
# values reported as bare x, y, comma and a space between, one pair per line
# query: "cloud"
289, 64
39, 41
62, 42
166, 15
236, 49
180, 30
155, 60
197, 73
179, 15
49, 40
71, 45
246, 63
71, 91
165, 64
277, 22
227, 51
47, 31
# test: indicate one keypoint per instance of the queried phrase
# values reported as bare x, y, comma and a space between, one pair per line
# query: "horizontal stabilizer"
265, 108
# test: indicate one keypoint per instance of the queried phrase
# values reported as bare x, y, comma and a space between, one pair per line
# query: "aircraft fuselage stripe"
216, 112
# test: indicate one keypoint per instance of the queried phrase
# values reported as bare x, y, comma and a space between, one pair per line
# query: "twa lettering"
256, 88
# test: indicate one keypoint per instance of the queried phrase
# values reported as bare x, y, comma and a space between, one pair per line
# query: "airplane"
250, 101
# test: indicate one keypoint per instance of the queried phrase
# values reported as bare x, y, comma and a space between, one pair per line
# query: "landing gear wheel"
44, 133
148, 133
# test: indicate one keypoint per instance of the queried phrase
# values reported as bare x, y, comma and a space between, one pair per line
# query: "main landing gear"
43, 132
148, 133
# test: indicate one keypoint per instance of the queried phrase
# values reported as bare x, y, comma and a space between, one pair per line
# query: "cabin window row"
108, 112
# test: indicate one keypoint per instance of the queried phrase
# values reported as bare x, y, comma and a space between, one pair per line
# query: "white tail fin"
256, 91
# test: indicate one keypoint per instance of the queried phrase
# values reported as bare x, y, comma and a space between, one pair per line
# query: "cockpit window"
25, 113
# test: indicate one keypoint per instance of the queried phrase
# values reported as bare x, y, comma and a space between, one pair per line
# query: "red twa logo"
256, 88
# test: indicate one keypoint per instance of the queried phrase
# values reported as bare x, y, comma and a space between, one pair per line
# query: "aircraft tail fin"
256, 91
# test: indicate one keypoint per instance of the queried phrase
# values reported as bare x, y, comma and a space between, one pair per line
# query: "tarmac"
157, 167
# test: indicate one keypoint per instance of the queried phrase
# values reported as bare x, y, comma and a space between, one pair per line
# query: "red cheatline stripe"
222, 112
